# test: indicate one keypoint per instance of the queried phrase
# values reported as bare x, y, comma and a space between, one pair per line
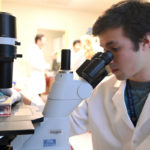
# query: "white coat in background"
77, 58
105, 115
37, 66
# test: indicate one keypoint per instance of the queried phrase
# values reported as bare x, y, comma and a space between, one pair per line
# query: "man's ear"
146, 41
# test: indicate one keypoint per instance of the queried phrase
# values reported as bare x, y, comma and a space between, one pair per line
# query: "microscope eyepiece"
94, 70
107, 56
65, 59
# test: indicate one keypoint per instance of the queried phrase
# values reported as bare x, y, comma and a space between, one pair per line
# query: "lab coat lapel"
143, 125
145, 114
118, 100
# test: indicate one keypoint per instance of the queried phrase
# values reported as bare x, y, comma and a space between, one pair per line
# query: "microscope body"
65, 94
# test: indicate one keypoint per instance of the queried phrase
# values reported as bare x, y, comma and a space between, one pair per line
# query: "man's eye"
115, 49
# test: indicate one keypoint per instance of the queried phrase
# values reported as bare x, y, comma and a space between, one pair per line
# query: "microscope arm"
53, 133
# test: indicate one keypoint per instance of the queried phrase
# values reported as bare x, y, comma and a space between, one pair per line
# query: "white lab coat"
105, 114
37, 67
77, 58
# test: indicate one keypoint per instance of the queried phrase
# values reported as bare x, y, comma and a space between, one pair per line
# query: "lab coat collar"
145, 114
142, 129
119, 102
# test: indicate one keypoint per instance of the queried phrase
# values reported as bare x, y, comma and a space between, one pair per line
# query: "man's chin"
120, 77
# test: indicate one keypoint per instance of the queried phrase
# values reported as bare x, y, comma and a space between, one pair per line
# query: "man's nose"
112, 61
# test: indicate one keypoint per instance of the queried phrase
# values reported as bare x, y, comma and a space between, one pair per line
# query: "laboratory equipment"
13, 121
8, 46
66, 93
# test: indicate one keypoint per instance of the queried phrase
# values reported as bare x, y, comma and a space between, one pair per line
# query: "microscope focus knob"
85, 90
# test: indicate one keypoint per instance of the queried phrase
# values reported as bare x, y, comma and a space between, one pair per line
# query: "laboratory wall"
0, 5
31, 18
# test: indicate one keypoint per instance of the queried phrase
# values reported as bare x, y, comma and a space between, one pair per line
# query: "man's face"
41, 42
77, 47
127, 63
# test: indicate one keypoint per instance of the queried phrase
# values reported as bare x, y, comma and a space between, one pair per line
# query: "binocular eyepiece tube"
94, 70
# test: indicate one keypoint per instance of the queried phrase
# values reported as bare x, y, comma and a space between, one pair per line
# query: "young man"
77, 55
118, 111
37, 65
37, 68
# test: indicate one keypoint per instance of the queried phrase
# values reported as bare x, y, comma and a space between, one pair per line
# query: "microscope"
8, 53
14, 123
8, 48
66, 93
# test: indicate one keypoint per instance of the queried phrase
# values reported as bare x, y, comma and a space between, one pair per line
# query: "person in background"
76, 45
37, 67
118, 111
88, 46
77, 55
15, 96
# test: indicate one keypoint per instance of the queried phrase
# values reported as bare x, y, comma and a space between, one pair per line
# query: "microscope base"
52, 134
